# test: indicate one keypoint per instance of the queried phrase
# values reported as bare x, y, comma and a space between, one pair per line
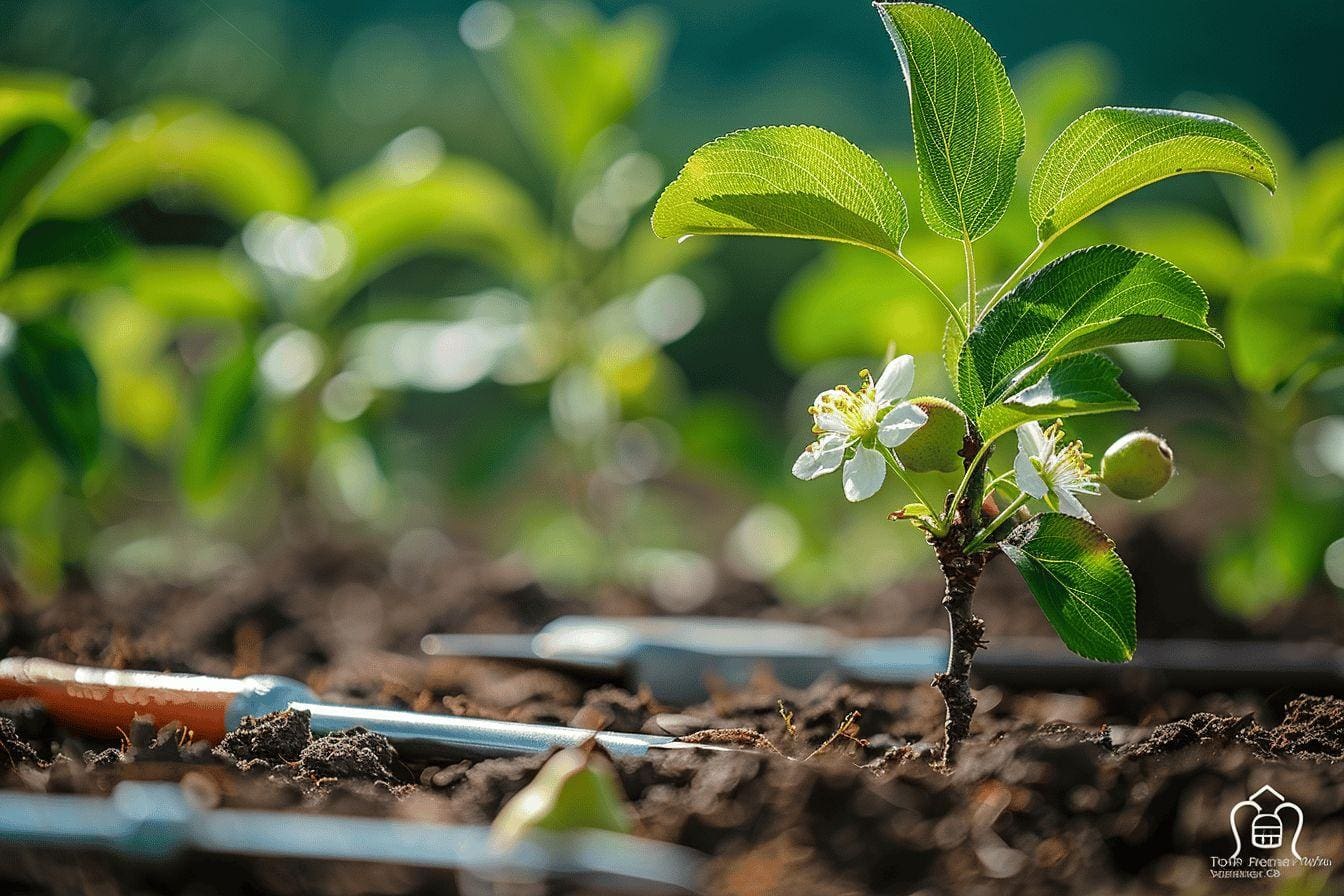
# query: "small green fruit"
934, 446
1137, 465
576, 788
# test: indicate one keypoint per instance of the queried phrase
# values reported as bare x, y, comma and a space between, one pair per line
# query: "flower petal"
1031, 439
864, 473
831, 422
821, 457
896, 380
900, 424
1072, 506
1028, 479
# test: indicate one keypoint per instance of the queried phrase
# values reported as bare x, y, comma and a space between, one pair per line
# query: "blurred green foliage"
212, 324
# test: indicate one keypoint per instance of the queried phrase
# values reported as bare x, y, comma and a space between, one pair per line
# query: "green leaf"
1285, 326
967, 124
191, 155
228, 406
1083, 384
50, 374
1113, 151
1079, 581
791, 181
389, 212
181, 283
1089, 299
38, 125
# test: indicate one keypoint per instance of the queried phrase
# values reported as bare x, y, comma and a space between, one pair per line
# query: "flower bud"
1137, 465
576, 788
934, 446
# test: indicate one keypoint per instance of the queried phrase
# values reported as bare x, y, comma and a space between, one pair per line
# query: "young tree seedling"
1020, 354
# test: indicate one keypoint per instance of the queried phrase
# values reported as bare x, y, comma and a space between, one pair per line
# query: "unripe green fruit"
1137, 465
934, 446
576, 788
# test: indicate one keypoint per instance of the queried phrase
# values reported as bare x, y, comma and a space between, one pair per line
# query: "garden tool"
102, 703
676, 657
156, 820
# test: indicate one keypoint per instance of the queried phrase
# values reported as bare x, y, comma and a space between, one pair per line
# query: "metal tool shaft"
423, 736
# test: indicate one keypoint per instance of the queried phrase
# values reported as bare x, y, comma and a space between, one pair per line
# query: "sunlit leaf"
1083, 384
1113, 151
968, 126
181, 284
39, 122
1281, 321
1089, 299
139, 388
1080, 583
1203, 245
389, 213
792, 181
187, 155
47, 369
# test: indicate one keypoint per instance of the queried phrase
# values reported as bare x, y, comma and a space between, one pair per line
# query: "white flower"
853, 423
1052, 473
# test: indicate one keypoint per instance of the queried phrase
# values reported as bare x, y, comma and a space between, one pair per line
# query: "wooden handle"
102, 702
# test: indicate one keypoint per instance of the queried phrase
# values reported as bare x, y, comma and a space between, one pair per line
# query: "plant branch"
980, 455
961, 575
986, 533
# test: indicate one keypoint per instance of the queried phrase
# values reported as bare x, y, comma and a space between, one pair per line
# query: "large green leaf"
1283, 323
227, 408
1113, 151
791, 181
190, 154
1079, 581
967, 124
38, 125
1083, 384
393, 210
1105, 295
49, 372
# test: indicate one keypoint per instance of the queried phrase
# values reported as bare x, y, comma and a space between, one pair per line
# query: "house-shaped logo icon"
1267, 827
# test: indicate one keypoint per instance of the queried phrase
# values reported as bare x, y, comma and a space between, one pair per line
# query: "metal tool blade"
423, 736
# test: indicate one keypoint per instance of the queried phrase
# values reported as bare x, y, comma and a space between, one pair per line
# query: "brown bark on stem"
961, 574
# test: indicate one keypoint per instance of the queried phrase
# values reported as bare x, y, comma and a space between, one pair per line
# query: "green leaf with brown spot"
1080, 583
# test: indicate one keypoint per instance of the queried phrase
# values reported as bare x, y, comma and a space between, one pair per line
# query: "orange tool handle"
102, 702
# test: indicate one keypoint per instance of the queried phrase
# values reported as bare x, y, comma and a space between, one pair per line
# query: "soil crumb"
270, 741
356, 753
1312, 729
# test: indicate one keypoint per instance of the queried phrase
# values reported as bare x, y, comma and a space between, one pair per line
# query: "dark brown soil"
1083, 792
